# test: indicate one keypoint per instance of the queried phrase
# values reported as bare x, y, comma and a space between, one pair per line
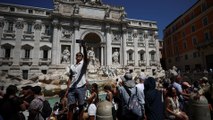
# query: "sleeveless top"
174, 105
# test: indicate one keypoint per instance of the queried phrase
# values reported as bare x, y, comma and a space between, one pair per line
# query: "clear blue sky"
162, 11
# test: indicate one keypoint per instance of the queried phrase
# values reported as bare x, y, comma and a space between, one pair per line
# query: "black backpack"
46, 109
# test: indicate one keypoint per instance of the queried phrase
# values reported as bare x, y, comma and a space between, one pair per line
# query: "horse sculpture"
109, 72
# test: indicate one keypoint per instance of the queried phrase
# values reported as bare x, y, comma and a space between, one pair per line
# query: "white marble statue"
66, 55
115, 56
91, 56
94, 63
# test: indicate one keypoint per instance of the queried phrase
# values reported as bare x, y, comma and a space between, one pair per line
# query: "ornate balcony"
153, 63
6, 61
45, 37
130, 62
26, 61
141, 44
28, 35
9, 34
142, 62
129, 42
44, 61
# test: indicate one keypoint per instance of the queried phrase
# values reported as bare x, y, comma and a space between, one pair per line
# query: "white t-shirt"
92, 110
140, 87
76, 69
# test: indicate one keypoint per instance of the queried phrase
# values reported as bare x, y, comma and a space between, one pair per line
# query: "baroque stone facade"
35, 40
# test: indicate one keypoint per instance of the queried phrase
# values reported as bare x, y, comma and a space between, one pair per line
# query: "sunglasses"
78, 55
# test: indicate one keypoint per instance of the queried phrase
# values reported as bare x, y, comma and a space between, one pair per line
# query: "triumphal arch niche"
94, 51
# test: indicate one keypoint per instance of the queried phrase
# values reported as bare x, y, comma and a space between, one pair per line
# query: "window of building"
45, 54
206, 36
29, 28
193, 28
183, 22
130, 56
10, 26
140, 36
184, 45
152, 56
194, 40
142, 56
47, 13
205, 21
27, 53
25, 74
7, 52
177, 59
198, 67
169, 60
192, 15
173, 28
129, 36
47, 30
187, 67
204, 7
186, 57
183, 34
176, 50
198, 54
44, 71
194, 54
12, 9
30, 11
5, 71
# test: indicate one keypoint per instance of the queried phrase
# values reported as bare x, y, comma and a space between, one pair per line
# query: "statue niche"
94, 63
65, 57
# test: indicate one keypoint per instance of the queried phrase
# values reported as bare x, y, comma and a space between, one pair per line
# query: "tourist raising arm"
76, 86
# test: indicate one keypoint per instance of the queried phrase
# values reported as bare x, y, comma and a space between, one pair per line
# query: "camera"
80, 41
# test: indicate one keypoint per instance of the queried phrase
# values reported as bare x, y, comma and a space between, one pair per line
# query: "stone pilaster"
157, 57
102, 55
36, 51
75, 46
108, 45
123, 50
17, 49
135, 35
56, 55
147, 56
1, 33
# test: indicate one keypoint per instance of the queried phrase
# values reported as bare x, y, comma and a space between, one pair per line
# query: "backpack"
46, 109
133, 104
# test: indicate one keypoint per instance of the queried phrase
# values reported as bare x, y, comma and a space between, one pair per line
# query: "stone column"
75, 46
108, 45
56, 52
102, 55
1, 33
19, 25
135, 35
36, 50
157, 52
123, 50
157, 48
147, 56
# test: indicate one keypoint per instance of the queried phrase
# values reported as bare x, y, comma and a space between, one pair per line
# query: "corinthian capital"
19, 25
37, 26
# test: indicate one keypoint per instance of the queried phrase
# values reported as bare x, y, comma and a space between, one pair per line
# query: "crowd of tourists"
159, 99
140, 97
